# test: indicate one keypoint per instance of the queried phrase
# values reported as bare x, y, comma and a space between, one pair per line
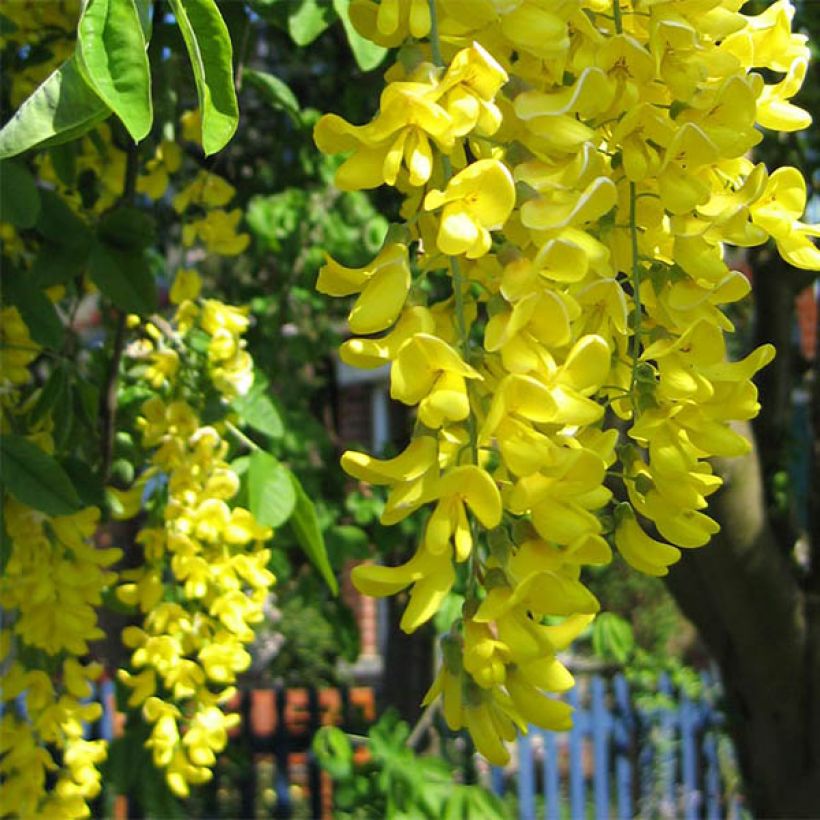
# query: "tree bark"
764, 632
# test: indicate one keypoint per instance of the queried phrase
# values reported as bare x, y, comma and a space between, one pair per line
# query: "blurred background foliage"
294, 60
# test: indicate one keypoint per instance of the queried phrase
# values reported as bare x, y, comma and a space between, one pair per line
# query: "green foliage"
275, 92
111, 56
211, 54
271, 494
63, 108
35, 478
306, 20
309, 648
368, 55
19, 197
308, 531
612, 637
395, 782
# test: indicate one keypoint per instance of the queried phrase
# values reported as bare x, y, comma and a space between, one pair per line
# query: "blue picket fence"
657, 755
625, 758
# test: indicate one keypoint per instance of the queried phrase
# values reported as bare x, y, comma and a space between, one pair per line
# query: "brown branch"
108, 401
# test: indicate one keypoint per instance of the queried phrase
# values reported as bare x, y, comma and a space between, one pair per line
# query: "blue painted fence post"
623, 735
576, 757
552, 781
688, 725
601, 724
668, 768
526, 779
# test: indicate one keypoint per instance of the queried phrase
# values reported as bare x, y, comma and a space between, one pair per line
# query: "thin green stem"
435, 43
637, 313
241, 437
616, 16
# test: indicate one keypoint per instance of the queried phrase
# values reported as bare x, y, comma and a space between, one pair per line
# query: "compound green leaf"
368, 55
111, 55
271, 493
19, 197
308, 533
209, 49
35, 478
62, 108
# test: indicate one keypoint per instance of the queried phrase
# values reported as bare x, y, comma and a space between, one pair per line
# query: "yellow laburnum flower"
389, 22
477, 200
398, 137
485, 657
428, 372
773, 107
371, 353
536, 707
217, 231
466, 486
469, 89
432, 576
382, 285
166, 160
417, 458
206, 190
778, 212
639, 550
187, 285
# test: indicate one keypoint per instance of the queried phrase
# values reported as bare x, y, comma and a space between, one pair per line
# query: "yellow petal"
413, 462
478, 490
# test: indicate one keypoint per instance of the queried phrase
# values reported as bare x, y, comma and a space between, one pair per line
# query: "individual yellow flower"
382, 285
477, 200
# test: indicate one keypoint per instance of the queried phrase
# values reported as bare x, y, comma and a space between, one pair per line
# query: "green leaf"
62, 108
612, 637
258, 411
275, 92
271, 494
308, 21
124, 277
88, 484
368, 55
333, 752
35, 478
58, 223
111, 55
36, 309
305, 525
64, 252
19, 197
53, 392
211, 54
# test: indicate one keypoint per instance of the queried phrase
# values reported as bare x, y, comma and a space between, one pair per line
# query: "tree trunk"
764, 632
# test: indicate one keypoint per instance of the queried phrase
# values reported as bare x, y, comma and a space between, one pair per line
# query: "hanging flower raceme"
570, 177
52, 585
204, 581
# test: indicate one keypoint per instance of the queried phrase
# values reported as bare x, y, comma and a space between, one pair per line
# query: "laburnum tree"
555, 307
554, 303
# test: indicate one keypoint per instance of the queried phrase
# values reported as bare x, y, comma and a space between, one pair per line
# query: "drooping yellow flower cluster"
571, 172
52, 584
204, 579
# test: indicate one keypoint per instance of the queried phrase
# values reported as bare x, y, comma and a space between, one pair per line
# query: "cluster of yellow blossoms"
204, 579
52, 584
571, 172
